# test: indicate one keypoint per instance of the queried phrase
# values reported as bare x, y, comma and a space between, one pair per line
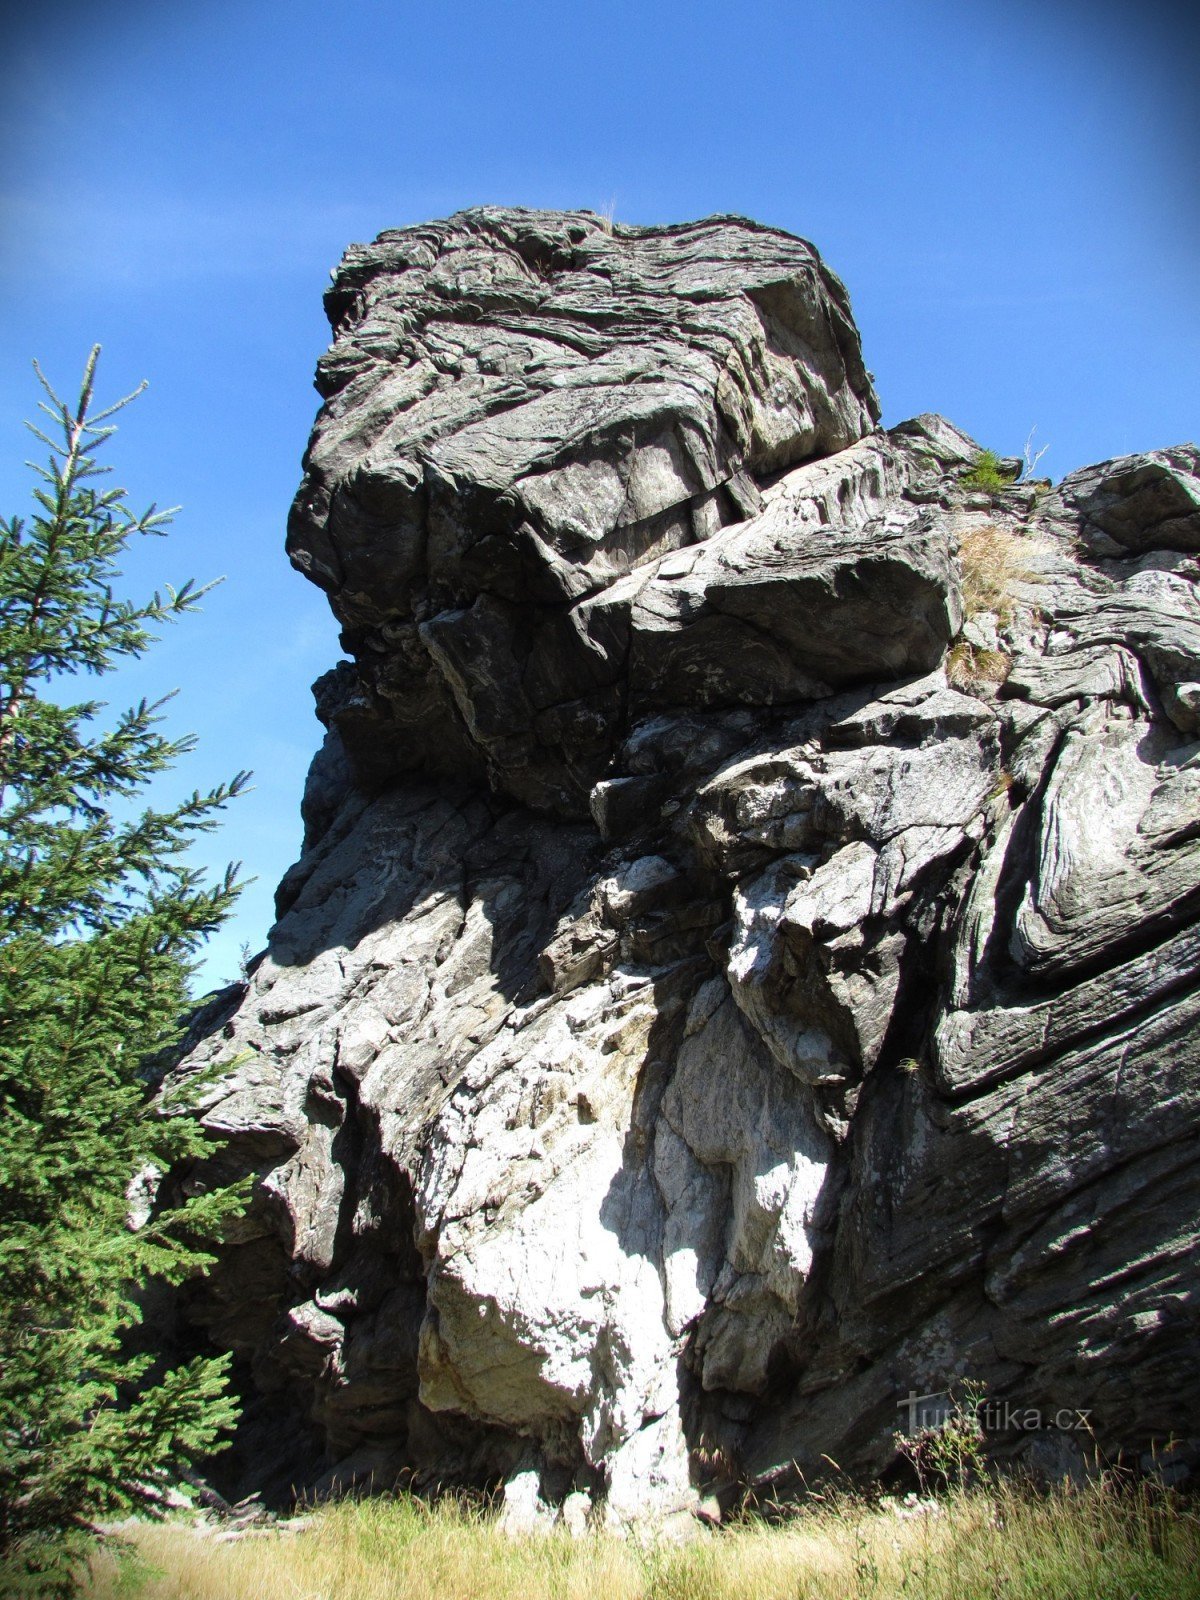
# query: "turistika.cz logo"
993, 1416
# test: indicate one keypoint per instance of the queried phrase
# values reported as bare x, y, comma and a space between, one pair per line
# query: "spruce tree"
100, 919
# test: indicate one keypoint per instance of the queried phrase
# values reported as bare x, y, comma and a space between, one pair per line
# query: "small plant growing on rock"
1032, 456
993, 563
987, 474
968, 666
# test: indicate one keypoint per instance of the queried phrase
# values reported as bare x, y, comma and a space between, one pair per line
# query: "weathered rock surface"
521, 410
743, 963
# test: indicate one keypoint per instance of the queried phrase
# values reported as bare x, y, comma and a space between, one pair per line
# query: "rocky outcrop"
742, 969
522, 410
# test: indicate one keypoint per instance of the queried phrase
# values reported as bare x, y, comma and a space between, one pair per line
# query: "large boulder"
743, 967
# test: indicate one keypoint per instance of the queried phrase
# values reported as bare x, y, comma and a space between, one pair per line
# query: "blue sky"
1010, 191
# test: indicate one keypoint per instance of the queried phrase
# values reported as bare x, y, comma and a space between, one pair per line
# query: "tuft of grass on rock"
968, 665
994, 562
987, 474
1094, 1543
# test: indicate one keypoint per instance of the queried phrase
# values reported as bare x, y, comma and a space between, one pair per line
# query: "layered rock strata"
742, 969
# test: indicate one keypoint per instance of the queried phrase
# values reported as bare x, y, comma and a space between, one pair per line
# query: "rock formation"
742, 968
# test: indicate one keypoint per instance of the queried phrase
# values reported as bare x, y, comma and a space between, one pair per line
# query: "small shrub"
952, 1453
987, 474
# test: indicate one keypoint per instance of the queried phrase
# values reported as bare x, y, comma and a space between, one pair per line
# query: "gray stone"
521, 409
1145, 502
725, 987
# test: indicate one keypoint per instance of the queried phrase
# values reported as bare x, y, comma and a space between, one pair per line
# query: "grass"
1097, 1543
968, 665
987, 474
994, 561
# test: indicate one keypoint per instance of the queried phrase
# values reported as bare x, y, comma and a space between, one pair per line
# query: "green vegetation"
987, 474
1097, 1543
100, 916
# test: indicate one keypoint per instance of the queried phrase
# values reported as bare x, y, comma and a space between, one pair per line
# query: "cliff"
742, 969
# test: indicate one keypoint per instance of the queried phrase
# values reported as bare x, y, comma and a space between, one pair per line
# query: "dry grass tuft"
1071, 1545
994, 562
968, 665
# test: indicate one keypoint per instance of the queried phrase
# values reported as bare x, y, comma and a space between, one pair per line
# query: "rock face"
743, 967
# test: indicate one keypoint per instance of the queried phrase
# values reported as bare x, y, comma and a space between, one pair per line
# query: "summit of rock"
522, 409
